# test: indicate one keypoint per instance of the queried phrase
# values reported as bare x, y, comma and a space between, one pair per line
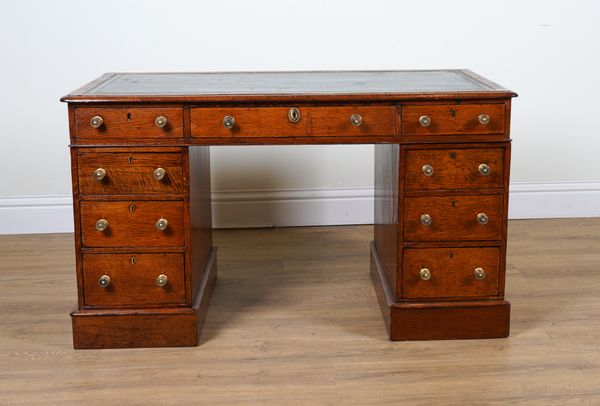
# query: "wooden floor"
294, 320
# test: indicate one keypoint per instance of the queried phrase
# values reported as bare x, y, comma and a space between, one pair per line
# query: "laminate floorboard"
294, 320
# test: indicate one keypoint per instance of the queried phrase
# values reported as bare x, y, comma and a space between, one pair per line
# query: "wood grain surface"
132, 223
454, 218
453, 119
455, 168
128, 122
294, 320
324, 121
451, 272
133, 279
130, 173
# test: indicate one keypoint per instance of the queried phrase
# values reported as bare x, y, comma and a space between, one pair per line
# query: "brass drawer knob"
99, 174
479, 274
294, 114
160, 121
104, 281
96, 121
161, 280
483, 119
228, 122
425, 121
159, 173
101, 225
484, 169
426, 219
482, 218
427, 170
356, 120
162, 224
425, 274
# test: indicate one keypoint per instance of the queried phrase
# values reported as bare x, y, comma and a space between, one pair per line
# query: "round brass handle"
427, 170
162, 224
482, 218
425, 121
228, 122
479, 274
159, 173
96, 121
161, 280
101, 225
294, 114
104, 281
484, 169
160, 121
483, 119
426, 219
99, 174
425, 274
356, 120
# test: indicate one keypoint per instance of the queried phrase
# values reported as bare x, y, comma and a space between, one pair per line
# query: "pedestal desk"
146, 264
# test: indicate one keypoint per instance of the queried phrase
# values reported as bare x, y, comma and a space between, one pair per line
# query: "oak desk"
140, 142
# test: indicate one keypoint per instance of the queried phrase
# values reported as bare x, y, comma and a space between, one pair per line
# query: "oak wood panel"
451, 272
137, 228
325, 121
133, 279
438, 320
130, 173
453, 119
454, 218
152, 327
128, 122
456, 168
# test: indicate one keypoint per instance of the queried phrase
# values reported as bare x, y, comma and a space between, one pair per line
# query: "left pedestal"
146, 266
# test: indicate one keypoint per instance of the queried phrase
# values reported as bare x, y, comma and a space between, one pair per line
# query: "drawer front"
130, 173
123, 122
454, 169
453, 119
311, 121
132, 223
450, 272
453, 218
133, 279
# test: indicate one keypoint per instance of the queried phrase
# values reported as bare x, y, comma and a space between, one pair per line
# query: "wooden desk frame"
453, 164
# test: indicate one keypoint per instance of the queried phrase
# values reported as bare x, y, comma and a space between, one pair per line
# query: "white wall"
547, 51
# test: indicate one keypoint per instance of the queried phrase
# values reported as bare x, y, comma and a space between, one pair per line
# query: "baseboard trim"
305, 207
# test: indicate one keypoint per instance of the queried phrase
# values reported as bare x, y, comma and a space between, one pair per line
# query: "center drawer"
133, 279
453, 218
130, 173
334, 121
132, 223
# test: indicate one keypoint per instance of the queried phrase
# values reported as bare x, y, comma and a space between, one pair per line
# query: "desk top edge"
280, 86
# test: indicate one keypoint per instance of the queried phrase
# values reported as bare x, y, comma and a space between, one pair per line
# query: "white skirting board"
305, 207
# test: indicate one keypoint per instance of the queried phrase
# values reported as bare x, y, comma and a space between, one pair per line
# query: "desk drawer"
130, 173
457, 168
133, 279
453, 119
125, 122
338, 121
132, 223
450, 273
453, 218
